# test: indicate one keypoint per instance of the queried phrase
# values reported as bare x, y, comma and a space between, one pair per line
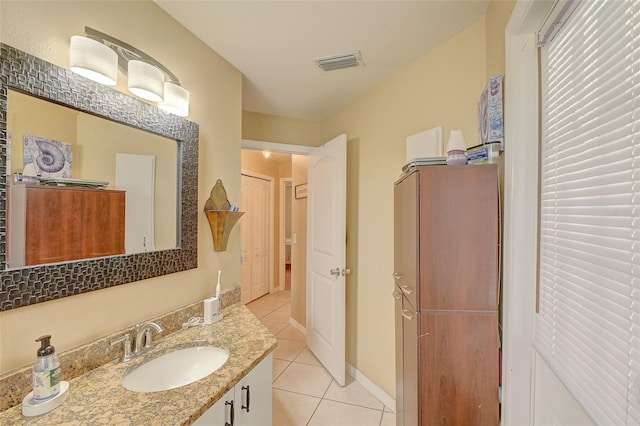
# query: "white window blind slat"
588, 325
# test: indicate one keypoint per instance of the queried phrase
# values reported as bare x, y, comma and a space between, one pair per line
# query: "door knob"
346, 271
335, 272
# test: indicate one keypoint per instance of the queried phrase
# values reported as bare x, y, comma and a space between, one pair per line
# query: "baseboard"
372, 387
295, 324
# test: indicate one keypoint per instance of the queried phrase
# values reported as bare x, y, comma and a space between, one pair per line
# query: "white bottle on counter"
46, 372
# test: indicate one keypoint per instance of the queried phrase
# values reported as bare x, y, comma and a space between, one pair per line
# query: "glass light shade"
176, 100
146, 81
93, 60
456, 141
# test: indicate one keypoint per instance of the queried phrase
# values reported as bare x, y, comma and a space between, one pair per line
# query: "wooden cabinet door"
459, 243
52, 231
103, 217
411, 396
405, 244
459, 369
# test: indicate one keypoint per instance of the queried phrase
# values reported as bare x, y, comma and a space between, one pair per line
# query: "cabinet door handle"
396, 295
406, 290
232, 414
407, 314
243, 407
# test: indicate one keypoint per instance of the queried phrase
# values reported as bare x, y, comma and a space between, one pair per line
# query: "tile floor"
304, 393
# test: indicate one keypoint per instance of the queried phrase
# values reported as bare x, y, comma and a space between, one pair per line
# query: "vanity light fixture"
93, 57
176, 100
146, 81
93, 60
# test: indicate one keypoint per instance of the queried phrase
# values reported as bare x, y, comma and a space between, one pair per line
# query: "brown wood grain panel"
405, 260
103, 223
67, 223
459, 370
459, 244
52, 225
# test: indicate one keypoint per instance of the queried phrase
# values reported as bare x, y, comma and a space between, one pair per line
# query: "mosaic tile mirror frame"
30, 75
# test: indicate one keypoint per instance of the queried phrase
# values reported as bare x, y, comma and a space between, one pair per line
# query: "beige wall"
43, 29
275, 128
498, 14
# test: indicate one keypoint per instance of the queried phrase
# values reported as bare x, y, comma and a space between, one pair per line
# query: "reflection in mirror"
27, 74
98, 152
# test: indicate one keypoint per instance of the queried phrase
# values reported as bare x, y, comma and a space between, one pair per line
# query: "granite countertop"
98, 397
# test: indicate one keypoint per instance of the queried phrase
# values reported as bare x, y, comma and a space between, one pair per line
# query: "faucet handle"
126, 341
143, 331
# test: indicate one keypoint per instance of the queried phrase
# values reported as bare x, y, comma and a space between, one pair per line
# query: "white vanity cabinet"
250, 400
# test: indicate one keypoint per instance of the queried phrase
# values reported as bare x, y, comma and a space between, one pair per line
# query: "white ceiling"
274, 44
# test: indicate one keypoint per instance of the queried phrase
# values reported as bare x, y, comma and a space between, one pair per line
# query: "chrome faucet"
143, 331
126, 341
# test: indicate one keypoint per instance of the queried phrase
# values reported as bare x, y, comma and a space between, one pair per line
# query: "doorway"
287, 164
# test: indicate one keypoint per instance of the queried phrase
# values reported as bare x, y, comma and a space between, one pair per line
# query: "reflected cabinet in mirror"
97, 188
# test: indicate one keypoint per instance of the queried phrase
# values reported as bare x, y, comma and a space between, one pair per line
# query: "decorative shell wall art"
47, 158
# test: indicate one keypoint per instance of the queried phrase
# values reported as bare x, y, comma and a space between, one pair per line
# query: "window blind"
588, 325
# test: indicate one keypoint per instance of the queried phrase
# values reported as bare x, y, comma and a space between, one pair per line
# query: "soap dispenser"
49, 392
46, 371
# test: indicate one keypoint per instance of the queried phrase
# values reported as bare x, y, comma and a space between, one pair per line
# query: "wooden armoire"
446, 273
58, 224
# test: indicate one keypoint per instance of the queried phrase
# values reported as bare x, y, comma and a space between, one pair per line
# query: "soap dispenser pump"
49, 392
46, 371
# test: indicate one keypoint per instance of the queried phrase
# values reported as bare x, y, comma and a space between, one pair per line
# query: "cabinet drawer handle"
406, 313
406, 289
231, 412
397, 295
243, 407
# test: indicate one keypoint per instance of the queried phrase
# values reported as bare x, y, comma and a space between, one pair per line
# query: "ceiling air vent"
338, 62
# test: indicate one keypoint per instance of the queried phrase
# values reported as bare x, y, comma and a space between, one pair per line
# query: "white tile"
305, 379
285, 308
307, 357
288, 350
292, 409
259, 313
338, 414
353, 393
278, 316
292, 334
388, 419
279, 366
274, 327
280, 295
271, 304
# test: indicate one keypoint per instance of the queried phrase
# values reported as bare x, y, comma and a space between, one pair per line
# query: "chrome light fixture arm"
126, 52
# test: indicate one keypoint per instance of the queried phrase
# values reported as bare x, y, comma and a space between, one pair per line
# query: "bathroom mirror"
26, 77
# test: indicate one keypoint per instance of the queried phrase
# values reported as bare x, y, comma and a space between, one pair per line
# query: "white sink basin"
175, 369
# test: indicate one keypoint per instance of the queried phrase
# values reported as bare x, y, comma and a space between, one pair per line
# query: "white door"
255, 236
326, 252
136, 175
